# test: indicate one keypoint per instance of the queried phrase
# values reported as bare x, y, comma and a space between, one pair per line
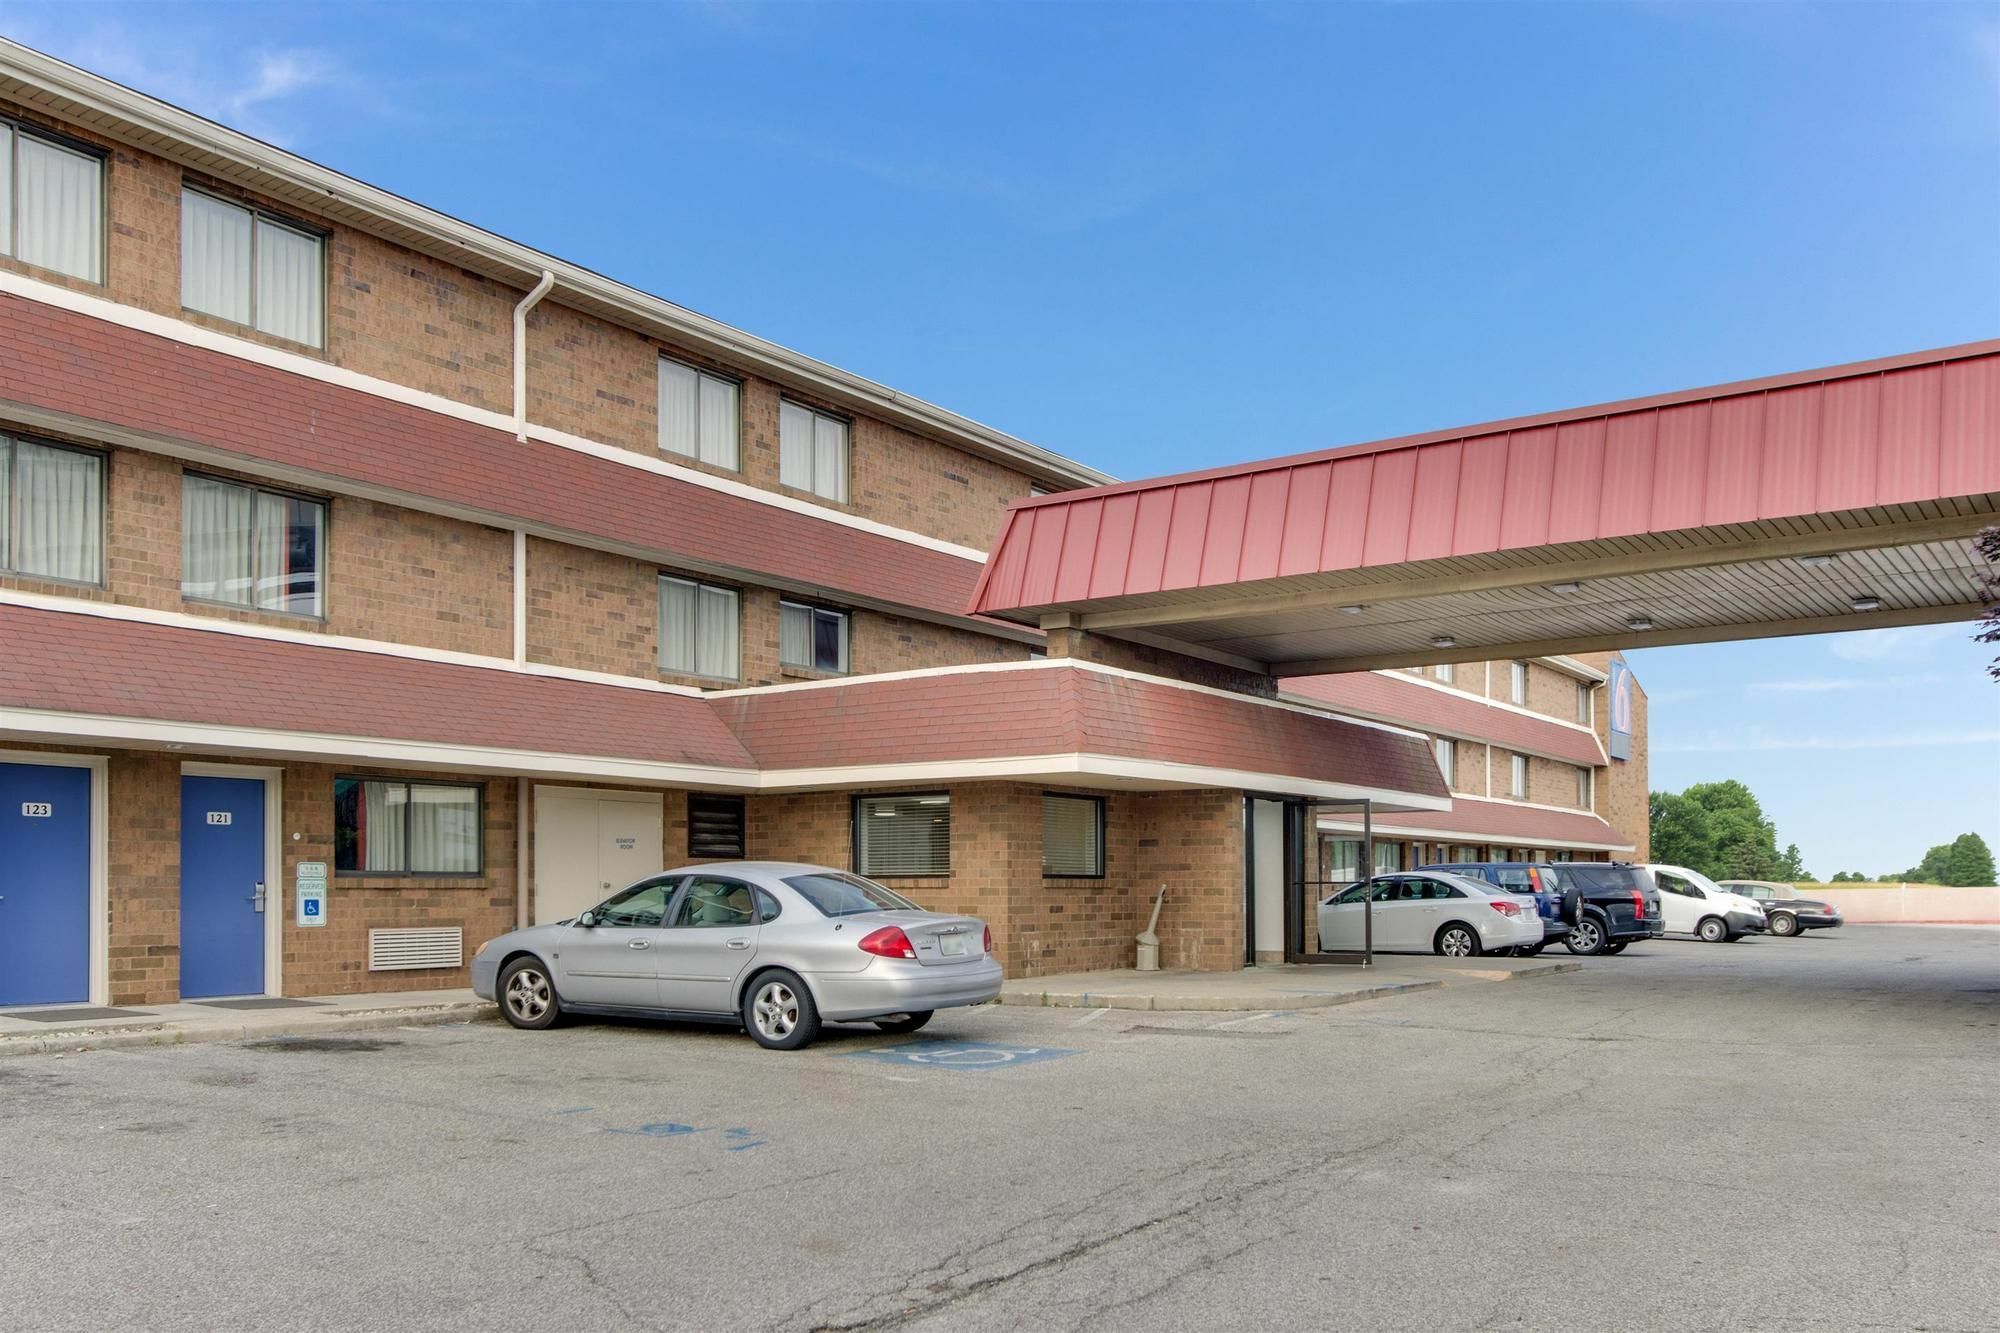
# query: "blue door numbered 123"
44, 884
223, 894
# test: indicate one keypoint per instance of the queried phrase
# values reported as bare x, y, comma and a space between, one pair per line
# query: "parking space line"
1090, 1017
1253, 1018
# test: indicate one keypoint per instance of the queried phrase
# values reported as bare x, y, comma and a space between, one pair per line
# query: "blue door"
44, 884
223, 897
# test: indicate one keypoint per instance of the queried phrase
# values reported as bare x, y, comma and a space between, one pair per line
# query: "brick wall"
406, 317
392, 573
143, 877
1622, 790
1129, 656
1192, 842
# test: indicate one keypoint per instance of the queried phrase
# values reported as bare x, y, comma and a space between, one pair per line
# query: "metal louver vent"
428, 946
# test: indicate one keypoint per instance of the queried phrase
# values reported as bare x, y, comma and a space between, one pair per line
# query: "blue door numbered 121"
44, 884
223, 894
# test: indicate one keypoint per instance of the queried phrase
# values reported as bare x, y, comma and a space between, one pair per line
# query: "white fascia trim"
150, 115
1569, 666
1490, 742
1528, 805
295, 363
368, 749
1405, 677
1453, 835
380, 647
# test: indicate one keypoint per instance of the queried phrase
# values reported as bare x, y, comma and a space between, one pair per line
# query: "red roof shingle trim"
1411, 704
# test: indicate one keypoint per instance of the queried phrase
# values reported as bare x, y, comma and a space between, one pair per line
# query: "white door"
589, 845
1267, 827
1681, 902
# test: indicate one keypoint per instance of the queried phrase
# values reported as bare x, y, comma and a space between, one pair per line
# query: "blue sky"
1160, 237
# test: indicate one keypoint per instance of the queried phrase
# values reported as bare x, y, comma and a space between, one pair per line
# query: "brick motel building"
371, 584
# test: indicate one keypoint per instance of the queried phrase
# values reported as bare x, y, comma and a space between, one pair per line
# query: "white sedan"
1429, 912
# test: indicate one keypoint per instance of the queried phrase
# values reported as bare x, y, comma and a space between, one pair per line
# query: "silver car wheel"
528, 994
775, 1010
1457, 943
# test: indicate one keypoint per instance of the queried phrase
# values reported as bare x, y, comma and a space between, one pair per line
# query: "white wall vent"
428, 946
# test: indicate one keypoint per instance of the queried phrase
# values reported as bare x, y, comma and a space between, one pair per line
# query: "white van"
1694, 904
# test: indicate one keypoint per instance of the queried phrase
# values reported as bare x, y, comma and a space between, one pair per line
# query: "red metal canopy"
1332, 560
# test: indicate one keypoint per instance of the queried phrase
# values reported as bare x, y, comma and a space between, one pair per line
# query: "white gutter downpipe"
528, 302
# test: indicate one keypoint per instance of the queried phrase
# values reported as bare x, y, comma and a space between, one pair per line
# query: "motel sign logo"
1619, 687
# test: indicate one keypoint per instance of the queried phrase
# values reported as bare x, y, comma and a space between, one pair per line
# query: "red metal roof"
1902, 430
60, 361
1409, 703
1511, 825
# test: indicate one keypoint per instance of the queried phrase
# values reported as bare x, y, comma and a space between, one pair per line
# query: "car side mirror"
586, 919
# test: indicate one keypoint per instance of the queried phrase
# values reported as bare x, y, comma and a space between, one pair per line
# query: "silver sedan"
776, 946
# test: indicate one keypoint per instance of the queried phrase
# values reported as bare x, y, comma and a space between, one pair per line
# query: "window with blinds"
700, 629
51, 203
902, 835
1517, 682
1072, 836
715, 827
812, 451
250, 268
1447, 756
1583, 792
699, 414
51, 511
1518, 776
252, 547
812, 637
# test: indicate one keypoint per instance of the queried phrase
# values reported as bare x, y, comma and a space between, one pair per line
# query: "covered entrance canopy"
1825, 500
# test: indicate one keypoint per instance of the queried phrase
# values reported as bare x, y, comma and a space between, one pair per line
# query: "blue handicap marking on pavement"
968, 1055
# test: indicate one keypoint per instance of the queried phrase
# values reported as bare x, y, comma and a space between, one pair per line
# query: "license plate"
951, 946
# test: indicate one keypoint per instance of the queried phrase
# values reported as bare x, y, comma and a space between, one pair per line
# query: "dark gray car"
1787, 912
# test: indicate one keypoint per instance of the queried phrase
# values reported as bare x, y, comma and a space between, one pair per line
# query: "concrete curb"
125, 1038
1252, 1003
1258, 1001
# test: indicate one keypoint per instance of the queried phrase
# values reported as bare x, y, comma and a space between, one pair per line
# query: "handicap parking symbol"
965, 1055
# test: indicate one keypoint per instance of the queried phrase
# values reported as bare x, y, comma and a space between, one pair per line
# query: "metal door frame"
1298, 901
277, 902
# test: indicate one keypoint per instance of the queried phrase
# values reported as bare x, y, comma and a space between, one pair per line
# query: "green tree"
1717, 828
1932, 869
1680, 832
1969, 862
1791, 866
1848, 877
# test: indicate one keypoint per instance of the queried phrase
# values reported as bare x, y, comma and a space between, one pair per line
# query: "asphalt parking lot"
1772, 1134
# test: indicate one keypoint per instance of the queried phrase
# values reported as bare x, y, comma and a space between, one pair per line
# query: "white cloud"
260, 91
1759, 739
1883, 645
1827, 685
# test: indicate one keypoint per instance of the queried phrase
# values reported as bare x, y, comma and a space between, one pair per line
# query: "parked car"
1696, 905
1556, 906
1785, 911
775, 946
1425, 912
1618, 905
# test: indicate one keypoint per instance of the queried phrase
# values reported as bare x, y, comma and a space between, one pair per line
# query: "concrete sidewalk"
86, 1028
1292, 986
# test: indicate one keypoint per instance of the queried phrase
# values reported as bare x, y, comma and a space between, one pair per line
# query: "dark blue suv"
1605, 905
1558, 909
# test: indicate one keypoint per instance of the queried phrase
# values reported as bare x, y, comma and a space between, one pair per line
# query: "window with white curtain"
1517, 784
700, 629
699, 414
51, 203
405, 828
51, 511
1072, 836
1517, 682
812, 637
1447, 754
1445, 671
903, 835
248, 546
1388, 857
1583, 702
245, 266
1583, 780
812, 451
